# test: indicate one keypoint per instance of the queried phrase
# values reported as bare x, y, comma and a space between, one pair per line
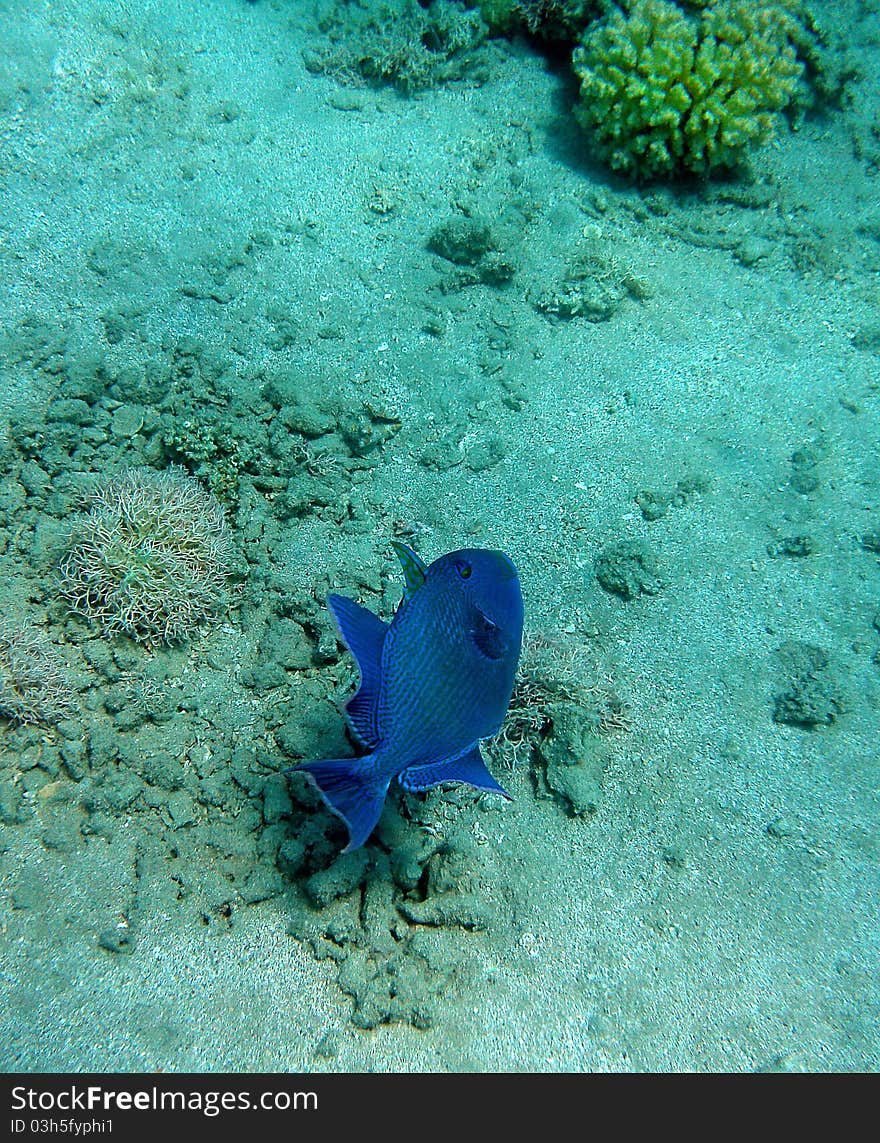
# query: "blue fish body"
433, 683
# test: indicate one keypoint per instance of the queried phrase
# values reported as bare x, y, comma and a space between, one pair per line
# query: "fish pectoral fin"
488, 636
468, 767
364, 635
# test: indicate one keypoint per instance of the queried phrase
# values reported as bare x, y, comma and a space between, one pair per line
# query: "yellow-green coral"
663, 94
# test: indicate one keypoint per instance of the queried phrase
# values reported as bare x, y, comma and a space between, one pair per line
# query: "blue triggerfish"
433, 683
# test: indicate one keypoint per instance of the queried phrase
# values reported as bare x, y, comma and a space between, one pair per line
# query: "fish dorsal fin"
414, 567
364, 635
467, 767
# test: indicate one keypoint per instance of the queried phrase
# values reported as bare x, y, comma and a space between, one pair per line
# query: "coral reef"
554, 21
34, 687
664, 95
563, 706
555, 672
150, 558
399, 42
392, 915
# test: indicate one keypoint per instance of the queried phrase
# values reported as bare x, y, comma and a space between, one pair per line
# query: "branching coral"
150, 558
402, 43
554, 671
555, 21
34, 687
663, 94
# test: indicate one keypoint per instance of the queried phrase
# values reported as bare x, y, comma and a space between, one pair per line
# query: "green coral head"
664, 94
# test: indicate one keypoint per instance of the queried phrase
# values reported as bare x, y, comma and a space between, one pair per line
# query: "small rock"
812, 694
327, 1048
342, 877
261, 884
792, 547
30, 891
276, 800
118, 939
181, 809
629, 569
461, 240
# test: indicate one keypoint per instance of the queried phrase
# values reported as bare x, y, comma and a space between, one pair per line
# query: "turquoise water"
335, 311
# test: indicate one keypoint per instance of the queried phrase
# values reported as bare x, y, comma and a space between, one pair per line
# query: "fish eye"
463, 569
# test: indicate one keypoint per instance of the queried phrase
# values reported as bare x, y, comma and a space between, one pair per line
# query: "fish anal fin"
468, 767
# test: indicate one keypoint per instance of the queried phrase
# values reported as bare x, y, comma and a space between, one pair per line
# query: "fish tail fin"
351, 791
